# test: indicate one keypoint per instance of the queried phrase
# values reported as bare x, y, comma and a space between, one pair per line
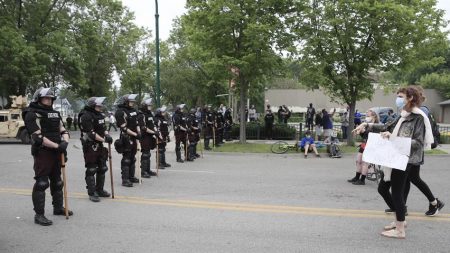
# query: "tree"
342, 40
237, 34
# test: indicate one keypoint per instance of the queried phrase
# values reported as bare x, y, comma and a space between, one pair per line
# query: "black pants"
399, 180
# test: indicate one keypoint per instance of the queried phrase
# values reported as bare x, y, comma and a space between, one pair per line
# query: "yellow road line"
242, 207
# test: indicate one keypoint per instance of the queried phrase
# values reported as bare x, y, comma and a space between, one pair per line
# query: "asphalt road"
221, 203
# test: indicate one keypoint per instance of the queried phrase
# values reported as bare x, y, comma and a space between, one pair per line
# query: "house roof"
446, 102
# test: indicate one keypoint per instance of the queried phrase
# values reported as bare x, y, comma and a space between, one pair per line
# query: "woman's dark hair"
414, 93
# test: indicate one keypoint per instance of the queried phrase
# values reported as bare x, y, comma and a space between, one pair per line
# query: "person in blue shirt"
307, 144
357, 119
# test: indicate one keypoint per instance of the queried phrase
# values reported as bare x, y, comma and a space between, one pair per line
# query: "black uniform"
228, 118
268, 120
193, 136
179, 122
163, 128
47, 161
208, 126
310, 117
91, 123
128, 115
219, 127
148, 141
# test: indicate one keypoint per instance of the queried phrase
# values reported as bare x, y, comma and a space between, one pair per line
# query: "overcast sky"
169, 9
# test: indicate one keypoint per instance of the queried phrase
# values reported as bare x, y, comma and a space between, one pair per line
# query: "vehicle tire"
279, 147
25, 137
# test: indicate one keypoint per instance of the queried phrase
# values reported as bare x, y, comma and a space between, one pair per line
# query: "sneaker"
306, 156
317, 155
145, 174
393, 225
394, 233
433, 210
153, 173
167, 165
359, 182
42, 220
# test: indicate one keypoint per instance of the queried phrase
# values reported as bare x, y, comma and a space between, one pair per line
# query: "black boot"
145, 165
42, 220
125, 169
178, 153
163, 160
58, 197
354, 179
133, 179
99, 188
190, 153
38, 197
207, 144
90, 184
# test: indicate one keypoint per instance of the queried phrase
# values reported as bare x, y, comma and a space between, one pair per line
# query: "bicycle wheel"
279, 147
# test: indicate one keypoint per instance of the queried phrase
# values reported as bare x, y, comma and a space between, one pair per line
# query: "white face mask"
400, 102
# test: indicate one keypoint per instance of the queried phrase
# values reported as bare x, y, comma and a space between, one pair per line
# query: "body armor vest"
98, 121
49, 121
162, 124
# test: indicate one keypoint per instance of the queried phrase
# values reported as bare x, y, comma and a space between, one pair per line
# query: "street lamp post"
158, 85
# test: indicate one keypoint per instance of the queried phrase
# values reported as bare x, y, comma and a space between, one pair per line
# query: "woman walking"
414, 124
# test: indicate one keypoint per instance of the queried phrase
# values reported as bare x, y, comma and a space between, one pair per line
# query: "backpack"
434, 129
334, 151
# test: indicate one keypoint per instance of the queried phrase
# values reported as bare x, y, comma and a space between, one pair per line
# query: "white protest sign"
391, 153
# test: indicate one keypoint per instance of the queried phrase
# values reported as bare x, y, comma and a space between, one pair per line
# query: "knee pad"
126, 162
90, 171
102, 169
146, 156
57, 185
41, 184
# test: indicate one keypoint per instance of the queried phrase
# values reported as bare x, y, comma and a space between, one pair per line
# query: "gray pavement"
222, 203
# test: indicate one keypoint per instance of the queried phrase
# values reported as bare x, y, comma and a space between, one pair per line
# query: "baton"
63, 170
110, 170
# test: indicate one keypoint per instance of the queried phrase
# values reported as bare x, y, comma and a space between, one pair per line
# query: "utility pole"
158, 81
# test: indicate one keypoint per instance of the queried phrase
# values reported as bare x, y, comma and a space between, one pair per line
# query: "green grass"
244, 148
265, 148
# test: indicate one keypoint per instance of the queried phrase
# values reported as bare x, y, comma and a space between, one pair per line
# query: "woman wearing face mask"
413, 123
361, 166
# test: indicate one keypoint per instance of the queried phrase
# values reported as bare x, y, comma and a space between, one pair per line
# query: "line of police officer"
137, 127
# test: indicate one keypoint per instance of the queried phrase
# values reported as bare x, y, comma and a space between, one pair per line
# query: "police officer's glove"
156, 133
62, 147
138, 136
108, 139
188, 130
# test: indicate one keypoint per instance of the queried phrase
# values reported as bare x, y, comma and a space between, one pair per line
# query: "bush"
256, 131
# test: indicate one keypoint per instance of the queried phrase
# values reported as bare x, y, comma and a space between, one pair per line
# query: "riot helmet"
94, 102
43, 92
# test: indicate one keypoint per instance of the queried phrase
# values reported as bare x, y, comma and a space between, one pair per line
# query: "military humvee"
11, 122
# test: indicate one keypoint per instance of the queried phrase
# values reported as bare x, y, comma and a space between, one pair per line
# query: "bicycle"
375, 173
281, 147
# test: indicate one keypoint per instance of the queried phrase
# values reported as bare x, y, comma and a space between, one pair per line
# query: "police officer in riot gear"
181, 131
194, 135
227, 125
49, 140
126, 117
149, 133
93, 134
219, 126
163, 138
208, 126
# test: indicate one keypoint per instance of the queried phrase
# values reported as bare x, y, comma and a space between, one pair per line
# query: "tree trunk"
351, 123
243, 101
